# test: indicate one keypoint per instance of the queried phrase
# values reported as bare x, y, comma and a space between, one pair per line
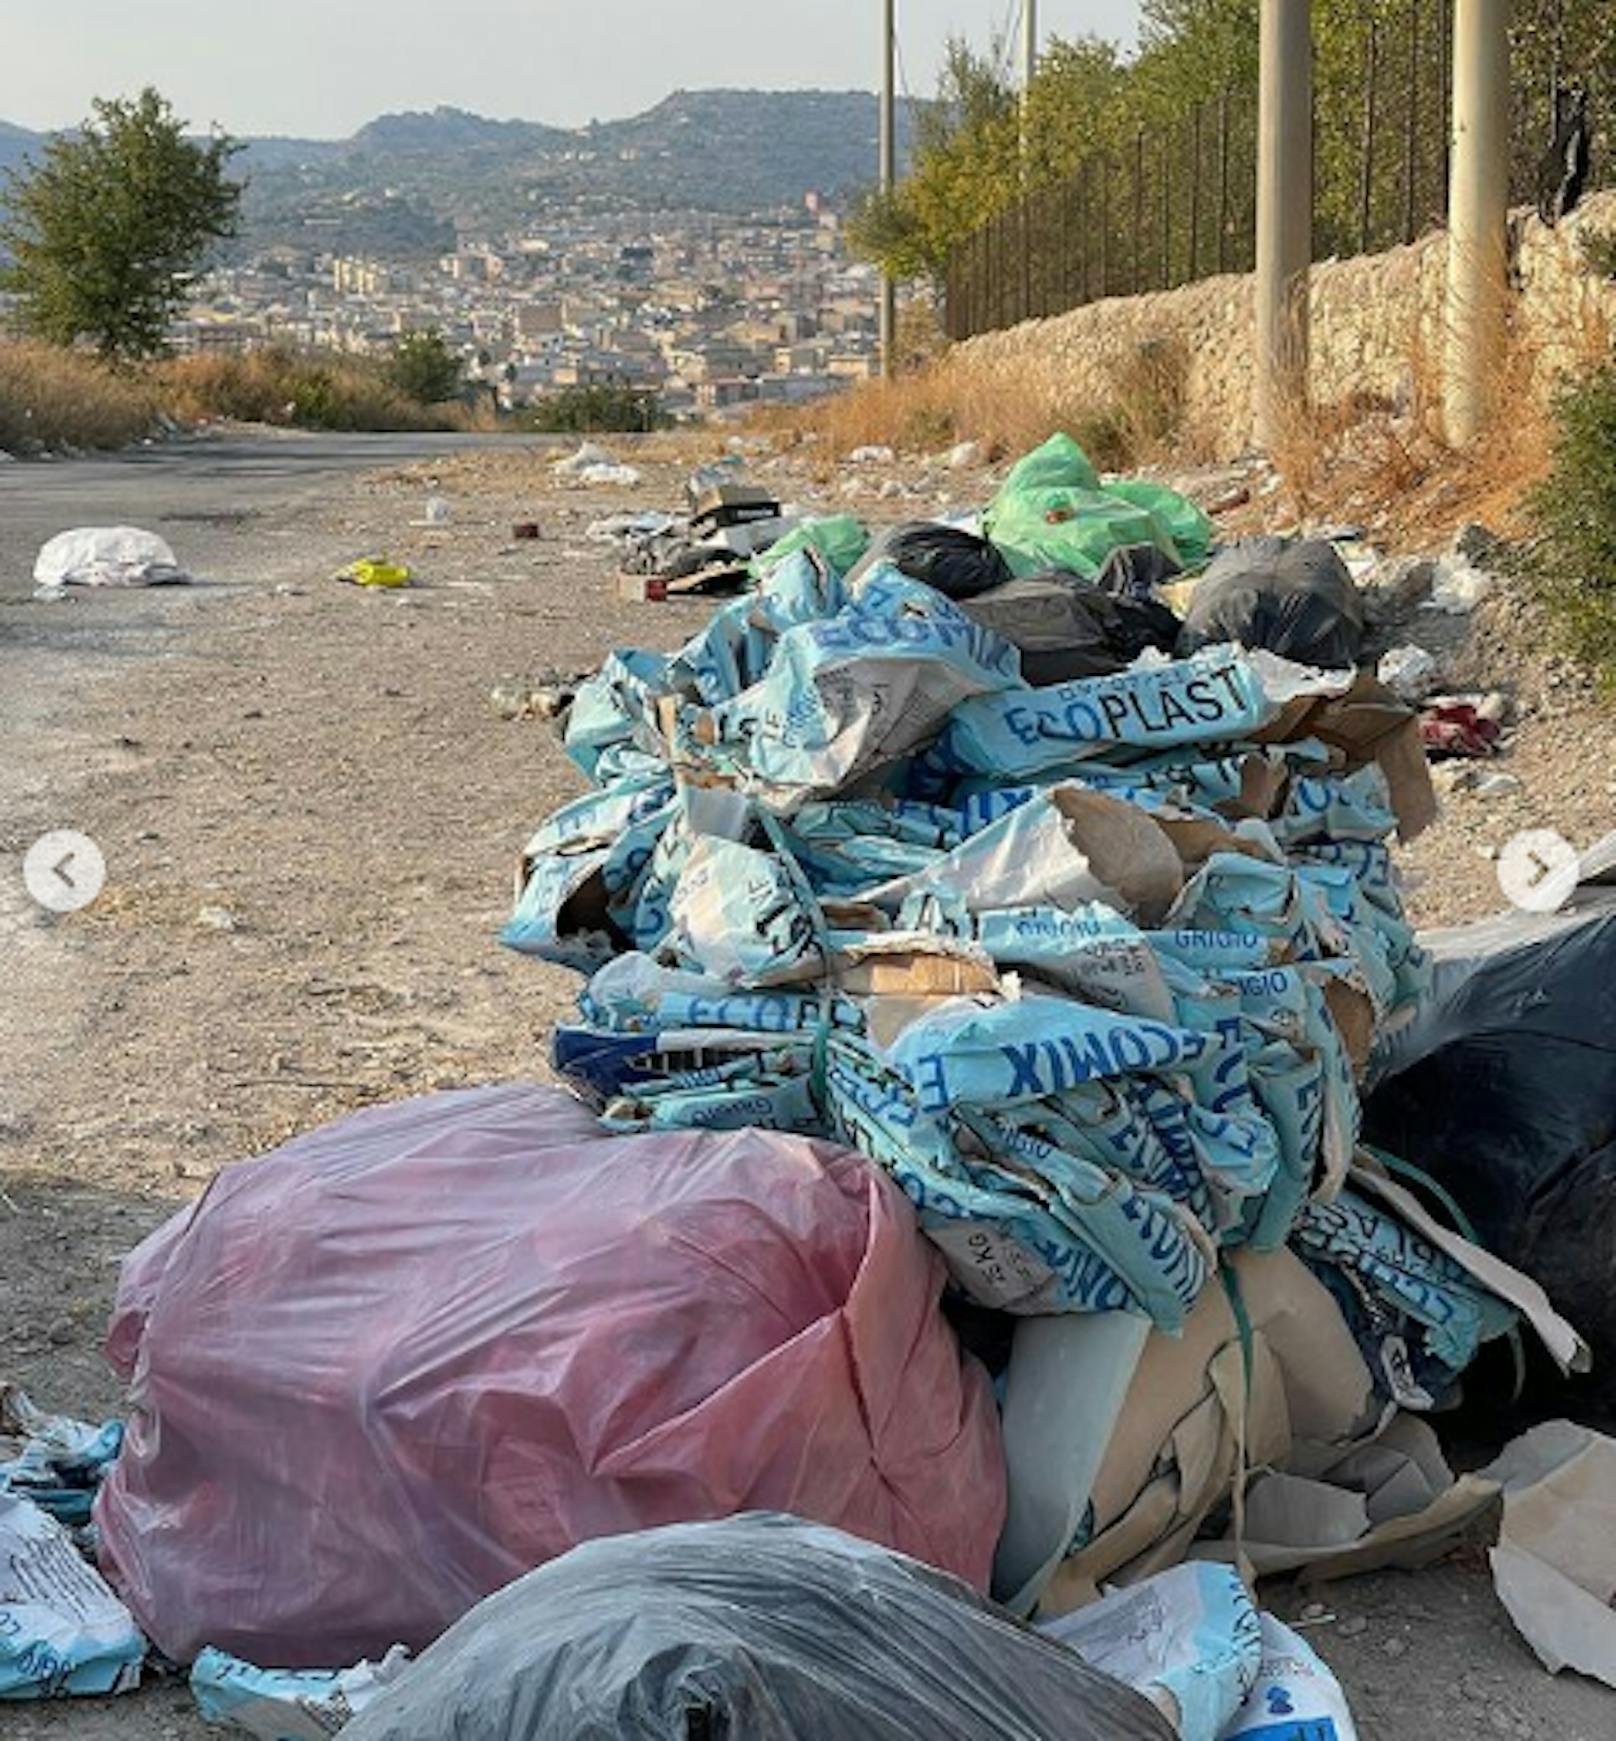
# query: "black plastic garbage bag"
1132, 570
1067, 628
758, 1628
1504, 1091
1292, 596
955, 562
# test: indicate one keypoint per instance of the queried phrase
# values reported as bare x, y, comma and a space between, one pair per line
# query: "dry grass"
289, 387
1138, 419
1387, 467
53, 399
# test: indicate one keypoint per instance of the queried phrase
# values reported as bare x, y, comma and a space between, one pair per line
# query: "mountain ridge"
413, 180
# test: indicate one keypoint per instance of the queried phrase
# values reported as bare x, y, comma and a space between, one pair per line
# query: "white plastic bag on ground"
278, 1704
1296, 1697
107, 556
596, 467
589, 453
62, 1630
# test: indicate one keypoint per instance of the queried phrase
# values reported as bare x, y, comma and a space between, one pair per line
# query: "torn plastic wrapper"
62, 1631
1295, 1697
277, 1704
53, 1460
1189, 1639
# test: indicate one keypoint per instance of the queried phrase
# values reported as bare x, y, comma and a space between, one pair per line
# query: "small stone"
1498, 785
1395, 1647
217, 919
1314, 1611
1354, 1627
61, 1332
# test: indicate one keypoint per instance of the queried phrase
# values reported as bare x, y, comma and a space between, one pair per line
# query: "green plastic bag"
839, 538
1053, 512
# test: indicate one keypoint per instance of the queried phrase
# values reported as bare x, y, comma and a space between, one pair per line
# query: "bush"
594, 411
52, 398
279, 385
424, 369
1573, 519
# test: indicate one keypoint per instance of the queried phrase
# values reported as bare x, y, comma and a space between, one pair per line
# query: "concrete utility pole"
889, 174
1029, 68
1478, 216
1284, 212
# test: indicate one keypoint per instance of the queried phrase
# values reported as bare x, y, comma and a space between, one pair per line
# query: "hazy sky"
320, 67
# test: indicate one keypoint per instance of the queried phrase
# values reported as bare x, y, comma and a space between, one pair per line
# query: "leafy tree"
1380, 157
108, 230
423, 368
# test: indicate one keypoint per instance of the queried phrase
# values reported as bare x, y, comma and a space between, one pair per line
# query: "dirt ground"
311, 814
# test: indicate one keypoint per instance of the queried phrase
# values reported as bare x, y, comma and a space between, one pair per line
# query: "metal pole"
1478, 214
889, 175
1284, 212
1029, 68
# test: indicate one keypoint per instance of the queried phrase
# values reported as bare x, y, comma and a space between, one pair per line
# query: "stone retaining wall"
1376, 332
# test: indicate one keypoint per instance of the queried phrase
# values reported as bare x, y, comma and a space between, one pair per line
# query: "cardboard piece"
1555, 1564
1368, 724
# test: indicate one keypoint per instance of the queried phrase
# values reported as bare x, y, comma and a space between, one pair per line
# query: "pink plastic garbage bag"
390, 1367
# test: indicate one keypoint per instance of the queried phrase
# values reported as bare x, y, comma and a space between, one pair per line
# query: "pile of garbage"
988, 941
707, 549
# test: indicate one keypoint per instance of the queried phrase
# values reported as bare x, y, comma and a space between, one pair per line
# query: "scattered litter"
1187, 1639
436, 513
761, 1626
1498, 785
605, 477
62, 1631
1292, 596
596, 467
588, 454
277, 1704
1555, 1563
1397, 584
629, 529
56, 1461
607, 1333
375, 571
525, 531
546, 696
215, 918
1458, 728
1408, 671
1296, 1698
871, 454
1457, 587
107, 556
51, 595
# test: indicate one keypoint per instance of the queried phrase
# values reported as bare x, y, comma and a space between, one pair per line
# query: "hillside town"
703, 310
